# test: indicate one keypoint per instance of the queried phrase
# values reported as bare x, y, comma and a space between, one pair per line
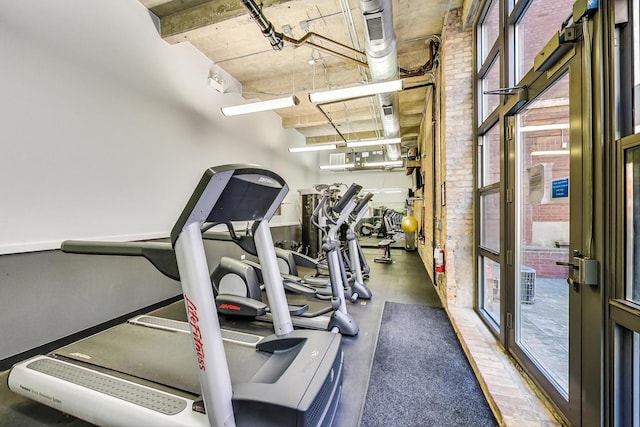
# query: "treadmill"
196, 373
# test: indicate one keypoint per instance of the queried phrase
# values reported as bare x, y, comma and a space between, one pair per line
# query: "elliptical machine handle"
346, 199
316, 211
361, 204
325, 197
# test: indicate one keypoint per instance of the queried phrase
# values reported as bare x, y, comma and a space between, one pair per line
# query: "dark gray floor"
405, 280
419, 373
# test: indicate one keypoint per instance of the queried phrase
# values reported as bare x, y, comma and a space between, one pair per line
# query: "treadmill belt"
156, 355
178, 326
176, 311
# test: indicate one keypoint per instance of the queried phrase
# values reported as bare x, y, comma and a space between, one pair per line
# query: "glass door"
542, 233
545, 140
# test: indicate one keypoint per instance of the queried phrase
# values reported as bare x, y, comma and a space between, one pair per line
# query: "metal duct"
382, 57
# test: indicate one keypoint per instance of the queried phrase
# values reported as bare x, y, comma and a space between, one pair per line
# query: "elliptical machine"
335, 216
243, 302
355, 256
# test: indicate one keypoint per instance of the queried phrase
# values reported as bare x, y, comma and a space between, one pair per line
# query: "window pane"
627, 63
490, 221
490, 278
541, 20
490, 81
636, 66
632, 202
490, 157
542, 232
489, 31
627, 378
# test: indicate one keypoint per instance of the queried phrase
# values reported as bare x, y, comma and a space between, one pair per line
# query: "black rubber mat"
420, 374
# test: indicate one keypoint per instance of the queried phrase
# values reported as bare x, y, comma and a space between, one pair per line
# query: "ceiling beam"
315, 118
357, 136
179, 17
345, 128
411, 108
328, 139
411, 130
162, 8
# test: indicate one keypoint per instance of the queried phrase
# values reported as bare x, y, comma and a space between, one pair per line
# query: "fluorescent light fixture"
254, 107
374, 142
392, 191
345, 166
388, 163
538, 128
317, 147
549, 153
356, 91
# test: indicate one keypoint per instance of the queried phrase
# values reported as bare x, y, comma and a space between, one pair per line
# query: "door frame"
585, 304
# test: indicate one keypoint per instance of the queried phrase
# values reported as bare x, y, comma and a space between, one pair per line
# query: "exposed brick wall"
456, 168
423, 209
453, 161
543, 261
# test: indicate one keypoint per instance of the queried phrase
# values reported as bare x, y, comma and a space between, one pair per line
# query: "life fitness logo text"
192, 313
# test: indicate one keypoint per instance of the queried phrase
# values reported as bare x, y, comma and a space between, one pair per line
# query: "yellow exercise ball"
409, 224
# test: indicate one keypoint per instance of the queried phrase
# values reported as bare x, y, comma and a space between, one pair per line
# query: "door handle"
567, 264
573, 283
587, 271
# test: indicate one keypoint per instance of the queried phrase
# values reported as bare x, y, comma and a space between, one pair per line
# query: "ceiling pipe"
266, 27
427, 67
382, 57
305, 40
277, 39
380, 50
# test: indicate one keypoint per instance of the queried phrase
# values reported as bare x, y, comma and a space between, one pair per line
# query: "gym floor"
404, 281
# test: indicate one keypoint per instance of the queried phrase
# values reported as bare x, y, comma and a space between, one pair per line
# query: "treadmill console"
233, 193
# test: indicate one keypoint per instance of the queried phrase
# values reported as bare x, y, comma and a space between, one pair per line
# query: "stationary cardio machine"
360, 290
238, 294
335, 216
339, 320
199, 376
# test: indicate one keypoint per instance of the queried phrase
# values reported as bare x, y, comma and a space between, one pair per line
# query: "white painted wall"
104, 132
105, 129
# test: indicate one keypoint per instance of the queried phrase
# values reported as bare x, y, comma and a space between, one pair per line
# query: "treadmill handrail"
160, 254
244, 241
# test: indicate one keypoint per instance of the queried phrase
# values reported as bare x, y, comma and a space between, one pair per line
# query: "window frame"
495, 55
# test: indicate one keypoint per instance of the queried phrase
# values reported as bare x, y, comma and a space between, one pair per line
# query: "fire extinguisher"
438, 259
